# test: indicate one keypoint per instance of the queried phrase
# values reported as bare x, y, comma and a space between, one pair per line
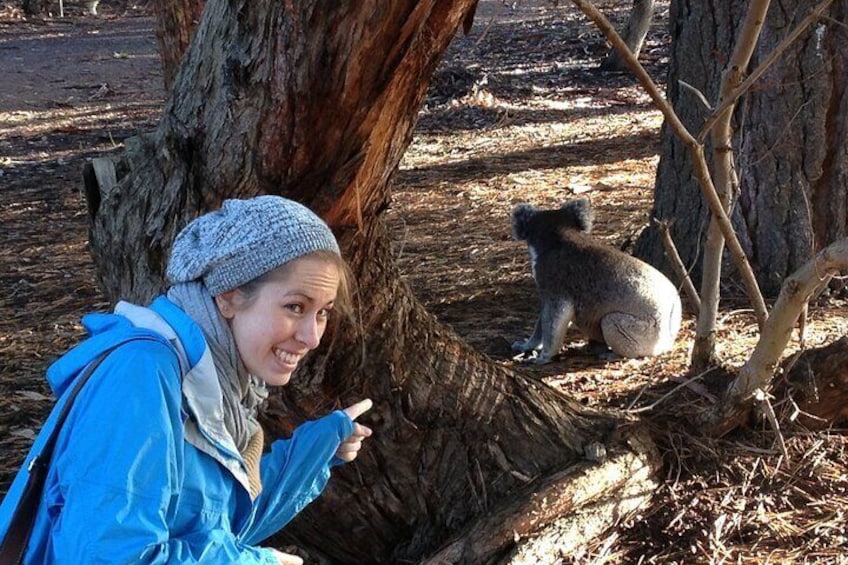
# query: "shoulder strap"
15, 540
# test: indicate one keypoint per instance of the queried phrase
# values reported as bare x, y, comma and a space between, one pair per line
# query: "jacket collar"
202, 397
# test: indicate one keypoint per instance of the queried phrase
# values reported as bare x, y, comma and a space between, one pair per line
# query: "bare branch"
764, 400
726, 181
758, 372
678, 266
698, 94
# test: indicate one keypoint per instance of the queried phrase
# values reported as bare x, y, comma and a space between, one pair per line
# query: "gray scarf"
242, 393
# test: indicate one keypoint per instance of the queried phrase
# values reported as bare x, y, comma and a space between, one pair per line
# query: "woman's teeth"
286, 357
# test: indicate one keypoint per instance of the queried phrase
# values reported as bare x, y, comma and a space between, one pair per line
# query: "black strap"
15, 541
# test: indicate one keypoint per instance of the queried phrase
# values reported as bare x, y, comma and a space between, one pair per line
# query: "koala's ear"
579, 214
521, 216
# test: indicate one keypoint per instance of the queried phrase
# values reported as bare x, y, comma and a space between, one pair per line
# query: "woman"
160, 459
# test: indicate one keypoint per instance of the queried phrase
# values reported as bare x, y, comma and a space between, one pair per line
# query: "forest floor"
517, 112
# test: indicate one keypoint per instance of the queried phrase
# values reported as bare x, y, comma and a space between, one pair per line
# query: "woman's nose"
309, 332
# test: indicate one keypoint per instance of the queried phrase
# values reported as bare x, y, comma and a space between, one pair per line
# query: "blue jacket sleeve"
120, 466
296, 471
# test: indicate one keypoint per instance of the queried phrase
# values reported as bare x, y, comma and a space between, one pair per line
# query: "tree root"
558, 514
817, 382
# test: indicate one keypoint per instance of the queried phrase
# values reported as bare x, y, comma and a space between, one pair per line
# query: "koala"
611, 297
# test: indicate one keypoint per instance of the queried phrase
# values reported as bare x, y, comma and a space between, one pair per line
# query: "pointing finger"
354, 411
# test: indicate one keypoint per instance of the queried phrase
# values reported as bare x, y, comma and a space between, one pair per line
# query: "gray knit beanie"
244, 240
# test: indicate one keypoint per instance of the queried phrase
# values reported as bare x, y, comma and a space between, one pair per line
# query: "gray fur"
609, 295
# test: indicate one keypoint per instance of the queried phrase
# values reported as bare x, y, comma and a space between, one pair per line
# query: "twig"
835, 21
698, 94
678, 266
763, 398
489, 25
656, 403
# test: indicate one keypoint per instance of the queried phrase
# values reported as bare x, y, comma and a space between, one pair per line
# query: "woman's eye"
324, 312
295, 308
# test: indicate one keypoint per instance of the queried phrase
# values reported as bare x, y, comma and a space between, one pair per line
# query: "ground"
517, 112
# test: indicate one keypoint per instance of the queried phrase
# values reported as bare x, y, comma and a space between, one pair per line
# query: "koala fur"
611, 296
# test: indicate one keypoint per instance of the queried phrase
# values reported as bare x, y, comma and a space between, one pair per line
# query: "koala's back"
599, 279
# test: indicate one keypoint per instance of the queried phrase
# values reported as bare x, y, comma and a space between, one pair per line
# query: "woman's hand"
350, 447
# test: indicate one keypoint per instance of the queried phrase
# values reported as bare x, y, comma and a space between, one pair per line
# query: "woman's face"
284, 319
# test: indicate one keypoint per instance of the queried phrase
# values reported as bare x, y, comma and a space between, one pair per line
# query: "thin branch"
489, 25
726, 182
687, 383
698, 94
678, 266
835, 21
764, 399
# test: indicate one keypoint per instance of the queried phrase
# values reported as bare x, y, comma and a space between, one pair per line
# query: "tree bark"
638, 25
176, 21
317, 102
791, 145
817, 381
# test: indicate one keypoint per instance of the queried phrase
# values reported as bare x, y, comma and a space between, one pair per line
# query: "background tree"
35, 7
791, 147
638, 25
317, 101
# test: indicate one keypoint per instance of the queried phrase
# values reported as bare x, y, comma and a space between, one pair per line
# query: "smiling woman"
178, 385
277, 321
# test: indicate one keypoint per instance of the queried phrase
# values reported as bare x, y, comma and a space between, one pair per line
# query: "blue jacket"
124, 485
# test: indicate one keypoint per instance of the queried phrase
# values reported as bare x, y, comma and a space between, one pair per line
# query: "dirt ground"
517, 112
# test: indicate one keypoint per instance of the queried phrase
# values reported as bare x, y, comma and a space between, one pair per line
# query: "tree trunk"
791, 147
638, 24
176, 21
35, 7
317, 102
